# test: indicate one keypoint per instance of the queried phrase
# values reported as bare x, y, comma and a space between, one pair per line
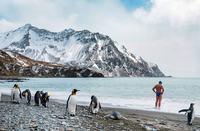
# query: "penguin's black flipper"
183, 110
20, 94
99, 105
67, 101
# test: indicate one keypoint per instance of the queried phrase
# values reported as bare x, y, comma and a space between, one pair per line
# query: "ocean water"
135, 93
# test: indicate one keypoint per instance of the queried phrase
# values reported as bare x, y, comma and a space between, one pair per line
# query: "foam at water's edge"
117, 106
168, 105
132, 93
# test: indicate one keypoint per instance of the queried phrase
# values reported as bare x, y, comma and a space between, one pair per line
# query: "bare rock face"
14, 64
82, 49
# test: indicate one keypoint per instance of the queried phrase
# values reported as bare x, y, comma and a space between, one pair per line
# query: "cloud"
6, 25
166, 33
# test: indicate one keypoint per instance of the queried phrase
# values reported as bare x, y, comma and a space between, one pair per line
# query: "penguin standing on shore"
16, 94
94, 105
190, 113
45, 98
27, 95
37, 97
72, 103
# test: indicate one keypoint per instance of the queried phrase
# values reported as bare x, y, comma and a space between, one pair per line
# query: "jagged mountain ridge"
77, 48
14, 64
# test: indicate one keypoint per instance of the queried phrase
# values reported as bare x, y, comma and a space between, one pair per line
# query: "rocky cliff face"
14, 64
78, 49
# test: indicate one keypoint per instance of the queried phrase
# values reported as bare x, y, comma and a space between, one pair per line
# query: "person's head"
160, 82
74, 91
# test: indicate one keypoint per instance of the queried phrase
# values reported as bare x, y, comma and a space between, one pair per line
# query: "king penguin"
16, 94
190, 113
94, 105
27, 95
72, 103
45, 98
37, 97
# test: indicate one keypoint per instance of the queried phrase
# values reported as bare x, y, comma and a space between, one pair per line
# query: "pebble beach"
24, 117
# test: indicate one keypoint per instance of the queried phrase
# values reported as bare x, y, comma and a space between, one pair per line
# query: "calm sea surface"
133, 93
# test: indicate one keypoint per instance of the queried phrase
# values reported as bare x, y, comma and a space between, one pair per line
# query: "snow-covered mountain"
77, 48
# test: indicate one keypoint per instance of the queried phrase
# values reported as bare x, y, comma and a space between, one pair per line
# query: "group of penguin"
39, 97
71, 105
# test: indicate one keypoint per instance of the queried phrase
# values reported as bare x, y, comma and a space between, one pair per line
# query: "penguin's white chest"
95, 110
72, 105
15, 94
193, 115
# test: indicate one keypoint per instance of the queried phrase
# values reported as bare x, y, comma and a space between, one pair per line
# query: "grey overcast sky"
165, 32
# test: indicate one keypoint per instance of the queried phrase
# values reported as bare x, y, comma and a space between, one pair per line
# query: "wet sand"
24, 117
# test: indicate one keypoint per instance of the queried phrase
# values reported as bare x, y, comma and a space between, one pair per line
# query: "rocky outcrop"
14, 64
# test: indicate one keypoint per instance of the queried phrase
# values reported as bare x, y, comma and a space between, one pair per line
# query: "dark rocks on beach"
23, 117
162, 123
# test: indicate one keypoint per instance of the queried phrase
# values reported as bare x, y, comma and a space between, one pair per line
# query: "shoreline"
110, 105
53, 118
28, 77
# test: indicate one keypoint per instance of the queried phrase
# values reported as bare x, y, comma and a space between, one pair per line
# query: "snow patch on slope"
77, 48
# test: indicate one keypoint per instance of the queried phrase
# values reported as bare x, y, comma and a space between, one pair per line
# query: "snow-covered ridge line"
77, 48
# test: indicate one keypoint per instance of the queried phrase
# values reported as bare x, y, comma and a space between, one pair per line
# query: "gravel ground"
23, 117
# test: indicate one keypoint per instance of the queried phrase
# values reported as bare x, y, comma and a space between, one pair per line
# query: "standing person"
72, 103
159, 90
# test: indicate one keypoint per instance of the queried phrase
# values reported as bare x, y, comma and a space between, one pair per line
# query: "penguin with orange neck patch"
72, 103
16, 94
